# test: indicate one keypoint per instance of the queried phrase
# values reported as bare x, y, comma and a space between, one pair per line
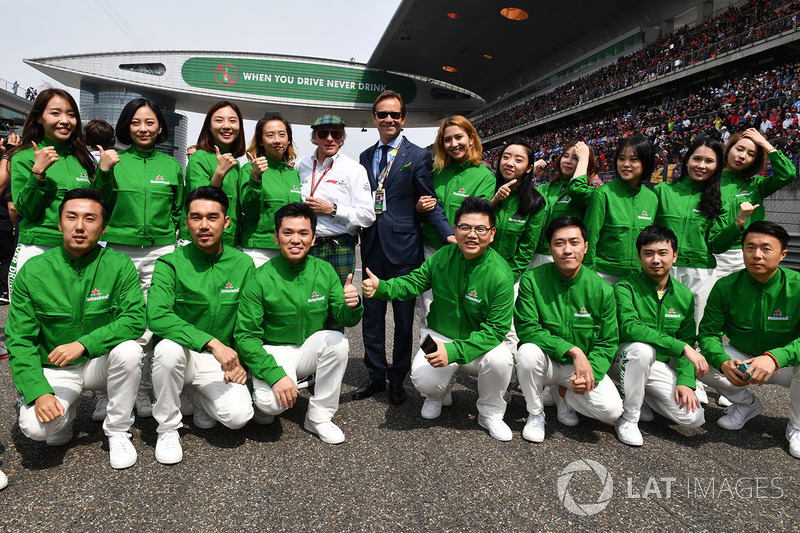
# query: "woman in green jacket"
144, 190
50, 160
568, 193
745, 159
267, 183
219, 145
458, 172
619, 210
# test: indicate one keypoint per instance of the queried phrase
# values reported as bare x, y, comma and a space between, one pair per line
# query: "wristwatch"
333, 211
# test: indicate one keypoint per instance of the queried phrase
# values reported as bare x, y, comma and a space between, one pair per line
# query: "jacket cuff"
92, 347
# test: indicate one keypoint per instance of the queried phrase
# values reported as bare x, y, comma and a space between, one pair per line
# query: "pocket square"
406, 166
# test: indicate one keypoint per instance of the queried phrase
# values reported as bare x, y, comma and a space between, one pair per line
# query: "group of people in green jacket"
566, 284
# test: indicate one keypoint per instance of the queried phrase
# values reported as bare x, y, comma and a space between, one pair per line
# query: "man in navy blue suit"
399, 173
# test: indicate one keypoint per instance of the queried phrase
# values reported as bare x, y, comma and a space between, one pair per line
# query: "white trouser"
325, 354
789, 378
176, 367
540, 259
729, 262
144, 259
426, 298
700, 281
611, 278
261, 255
536, 370
645, 379
511, 339
118, 372
21, 255
492, 368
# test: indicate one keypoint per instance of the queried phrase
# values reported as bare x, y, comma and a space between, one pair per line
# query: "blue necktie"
382, 165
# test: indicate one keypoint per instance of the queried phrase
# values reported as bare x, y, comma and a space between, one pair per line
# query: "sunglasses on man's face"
336, 134
383, 114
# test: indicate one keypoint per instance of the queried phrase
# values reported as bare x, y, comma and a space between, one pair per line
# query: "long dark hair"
530, 200
205, 141
644, 150
711, 197
32, 131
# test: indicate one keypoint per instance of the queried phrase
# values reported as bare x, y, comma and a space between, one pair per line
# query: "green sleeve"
23, 331
687, 334
409, 286
250, 194
162, 319
526, 247
724, 232
580, 191
248, 334
594, 221
104, 182
632, 329
30, 193
345, 315
712, 329
783, 173
492, 331
602, 353
199, 173
526, 321
179, 193
487, 185
129, 321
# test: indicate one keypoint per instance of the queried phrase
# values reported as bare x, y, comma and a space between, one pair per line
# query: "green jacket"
260, 199
617, 213
566, 197
37, 200
699, 237
144, 192
194, 296
452, 185
756, 317
473, 300
199, 170
736, 189
96, 300
283, 304
667, 324
557, 314
516, 235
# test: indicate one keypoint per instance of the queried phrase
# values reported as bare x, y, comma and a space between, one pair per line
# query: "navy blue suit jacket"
399, 228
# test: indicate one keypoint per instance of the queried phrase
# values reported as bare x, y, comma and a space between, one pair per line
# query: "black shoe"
397, 394
371, 387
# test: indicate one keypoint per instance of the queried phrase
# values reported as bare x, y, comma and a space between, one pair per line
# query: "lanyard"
389, 160
315, 184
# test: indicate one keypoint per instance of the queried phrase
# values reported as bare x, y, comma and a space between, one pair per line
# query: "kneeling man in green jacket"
280, 326
75, 313
566, 320
473, 301
758, 308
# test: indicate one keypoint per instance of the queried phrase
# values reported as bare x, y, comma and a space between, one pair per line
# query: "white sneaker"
737, 415
723, 401
534, 428
793, 436
547, 397
187, 406
628, 432
100, 406
121, 452
564, 412
326, 431
3, 480
700, 392
431, 409
202, 419
646, 414
261, 418
144, 405
60, 437
168, 447
496, 427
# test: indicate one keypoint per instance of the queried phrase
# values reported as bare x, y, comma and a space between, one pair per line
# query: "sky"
337, 29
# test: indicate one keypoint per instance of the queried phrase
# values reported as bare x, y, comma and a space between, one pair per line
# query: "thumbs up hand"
108, 158
370, 285
43, 159
350, 292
